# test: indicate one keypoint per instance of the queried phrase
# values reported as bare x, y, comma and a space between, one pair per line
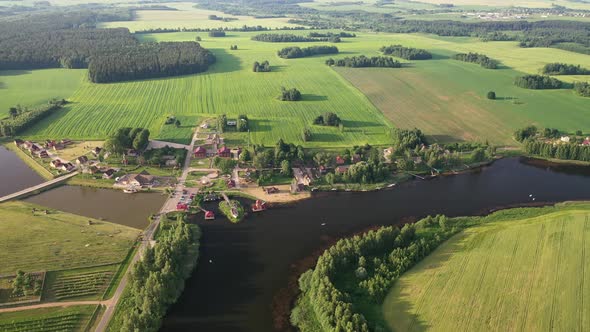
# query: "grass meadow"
443, 97
57, 241
520, 275
31, 88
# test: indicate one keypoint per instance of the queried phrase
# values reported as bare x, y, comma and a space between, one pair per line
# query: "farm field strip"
509, 275
72, 319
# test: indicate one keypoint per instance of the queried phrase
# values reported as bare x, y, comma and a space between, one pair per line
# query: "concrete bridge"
38, 187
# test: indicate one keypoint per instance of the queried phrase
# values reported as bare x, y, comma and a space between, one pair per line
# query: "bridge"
38, 187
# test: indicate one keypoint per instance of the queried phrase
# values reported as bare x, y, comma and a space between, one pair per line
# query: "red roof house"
224, 152
181, 206
200, 152
339, 160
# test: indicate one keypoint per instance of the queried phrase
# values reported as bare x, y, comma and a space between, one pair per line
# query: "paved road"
37, 187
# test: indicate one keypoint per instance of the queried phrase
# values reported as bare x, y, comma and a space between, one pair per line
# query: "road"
53, 305
37, 187
169, 205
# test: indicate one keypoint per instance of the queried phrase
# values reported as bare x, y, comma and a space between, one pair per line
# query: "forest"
480, 59
297, 52
71, 41
566, 151
290, 38
150, 60
408, 53
538, 82
363, 61
564, 69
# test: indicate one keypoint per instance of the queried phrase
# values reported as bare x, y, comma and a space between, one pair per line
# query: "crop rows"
59, 323
81, 284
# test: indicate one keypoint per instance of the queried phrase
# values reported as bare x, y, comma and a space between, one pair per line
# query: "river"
243, 267
15, 175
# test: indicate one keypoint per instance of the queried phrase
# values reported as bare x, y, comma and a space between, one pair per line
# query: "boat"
209, 215
130, 190
259, 206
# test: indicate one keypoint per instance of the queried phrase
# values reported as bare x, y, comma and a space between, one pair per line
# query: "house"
26, 145
66, 141
171, 163
81, 160
58, 146
235, 153
138, 180
50, 144
42, 154
96, 151
108, 174
91, 170
303, 176
182, 206
323, 169
67, 167
132, 153
342, 169
56, 163
18, 142
340, 160
586, 142
565, 139
200, 152
33, 147
209, 215
224, 152
231, 183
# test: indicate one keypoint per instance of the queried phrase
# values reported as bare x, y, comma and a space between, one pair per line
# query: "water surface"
15, 175
242, 267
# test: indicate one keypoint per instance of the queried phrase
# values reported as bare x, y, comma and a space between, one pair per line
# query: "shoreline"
285, 299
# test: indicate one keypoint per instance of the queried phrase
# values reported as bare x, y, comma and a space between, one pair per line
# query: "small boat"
130, 190
209, 215
259, 206
391, 185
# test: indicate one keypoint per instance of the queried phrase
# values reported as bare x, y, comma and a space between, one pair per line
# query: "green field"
58, 240
32, 88
443, 97
521, 275
70, 319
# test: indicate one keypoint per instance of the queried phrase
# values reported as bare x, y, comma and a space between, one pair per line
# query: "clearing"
522, 275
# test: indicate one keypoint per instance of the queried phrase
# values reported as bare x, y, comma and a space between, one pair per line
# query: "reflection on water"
15, 175
241, 267
115, 206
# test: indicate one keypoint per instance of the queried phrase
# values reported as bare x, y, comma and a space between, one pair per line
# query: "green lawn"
520, 275
58, 240
36, 87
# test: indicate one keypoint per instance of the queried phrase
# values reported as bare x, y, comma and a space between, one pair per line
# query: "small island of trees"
408, 53
290, 94
327, 119
363, 61
297, 52
582, 89
261, 67
538, 82
481, 59
564, 69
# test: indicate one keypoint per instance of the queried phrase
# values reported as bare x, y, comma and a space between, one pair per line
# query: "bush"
290, 95
261, 67
491, 95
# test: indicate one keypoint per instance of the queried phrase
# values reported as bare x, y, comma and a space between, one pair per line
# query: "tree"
141, 140
286, 168
491, 95
177, 123
478, 155
330, 178
263, 159
13, 111
306, 135
245, 156
198, 39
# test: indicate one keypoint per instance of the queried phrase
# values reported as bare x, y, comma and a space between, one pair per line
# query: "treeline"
21, 120
331, 34
582, 89
564, 151
157, 280
537, 82
564, 69
480, 59
261, 67
216, 33
372, 262
290, 38
297, 52
408, 53
149, 61
244, 28
290, 94
363, 61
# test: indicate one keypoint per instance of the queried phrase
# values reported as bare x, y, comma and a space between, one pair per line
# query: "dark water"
115, 206
252, 261
15, 175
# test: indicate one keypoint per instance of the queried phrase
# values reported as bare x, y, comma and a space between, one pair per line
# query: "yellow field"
524, 275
